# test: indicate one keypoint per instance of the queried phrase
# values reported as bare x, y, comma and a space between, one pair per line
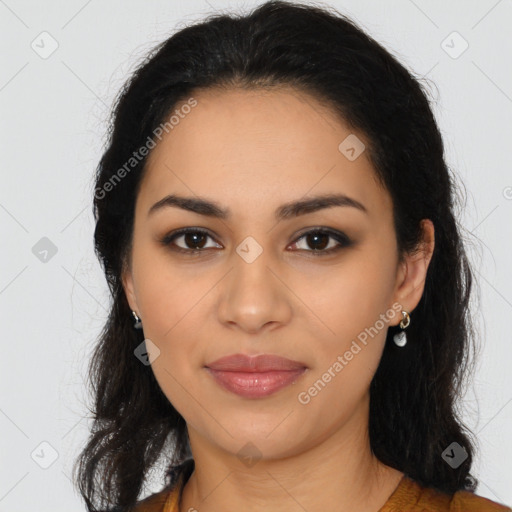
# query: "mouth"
255, 376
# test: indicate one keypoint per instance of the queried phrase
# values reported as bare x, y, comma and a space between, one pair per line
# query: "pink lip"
255, 376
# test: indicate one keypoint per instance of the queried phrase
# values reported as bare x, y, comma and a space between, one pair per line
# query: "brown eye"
192, 240
323, 241
318, 242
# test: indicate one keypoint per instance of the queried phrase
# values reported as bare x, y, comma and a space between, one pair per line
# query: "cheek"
347, 355
351, 296
167, 294
172, 305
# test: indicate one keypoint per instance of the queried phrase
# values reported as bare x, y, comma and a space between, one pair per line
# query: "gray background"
54, 110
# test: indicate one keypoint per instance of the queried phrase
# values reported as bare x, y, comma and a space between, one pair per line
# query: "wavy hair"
415, 391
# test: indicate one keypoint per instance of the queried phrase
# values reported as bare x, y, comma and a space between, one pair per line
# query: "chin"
260, 443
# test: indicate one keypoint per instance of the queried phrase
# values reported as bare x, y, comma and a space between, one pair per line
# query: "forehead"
254, 149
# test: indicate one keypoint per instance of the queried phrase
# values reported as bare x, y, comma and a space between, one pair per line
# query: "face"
318, 285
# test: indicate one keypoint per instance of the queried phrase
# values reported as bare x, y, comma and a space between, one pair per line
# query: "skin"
251, 152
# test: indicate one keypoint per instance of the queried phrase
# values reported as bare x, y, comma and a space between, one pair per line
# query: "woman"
290, 325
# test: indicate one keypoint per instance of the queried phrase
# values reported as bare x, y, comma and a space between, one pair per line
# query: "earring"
400, 338
138, 323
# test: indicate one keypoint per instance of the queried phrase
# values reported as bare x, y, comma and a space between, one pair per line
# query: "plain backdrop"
62, 64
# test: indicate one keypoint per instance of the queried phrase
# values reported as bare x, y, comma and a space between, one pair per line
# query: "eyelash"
343, 240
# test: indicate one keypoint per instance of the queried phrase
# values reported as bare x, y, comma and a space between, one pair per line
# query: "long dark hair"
414, 393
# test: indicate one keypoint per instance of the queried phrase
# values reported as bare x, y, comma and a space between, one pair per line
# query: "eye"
318, 238
193, 241
192, 237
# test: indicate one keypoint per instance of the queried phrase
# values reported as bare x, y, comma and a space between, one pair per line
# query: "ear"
413, 271
129, 289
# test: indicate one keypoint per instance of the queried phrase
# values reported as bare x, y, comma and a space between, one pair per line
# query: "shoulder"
168, 498
434, 500
411, 496
154, 503
465, 501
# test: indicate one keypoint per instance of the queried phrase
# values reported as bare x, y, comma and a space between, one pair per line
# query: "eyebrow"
289, 210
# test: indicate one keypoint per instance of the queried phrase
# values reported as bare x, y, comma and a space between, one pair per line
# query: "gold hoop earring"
400, 338
138, 322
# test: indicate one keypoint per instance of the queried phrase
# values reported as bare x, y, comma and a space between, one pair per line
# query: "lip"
257, 363
255, 376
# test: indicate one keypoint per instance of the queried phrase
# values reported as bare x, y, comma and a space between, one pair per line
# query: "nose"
254, 295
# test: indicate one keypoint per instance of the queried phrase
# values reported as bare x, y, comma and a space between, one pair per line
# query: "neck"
339, 472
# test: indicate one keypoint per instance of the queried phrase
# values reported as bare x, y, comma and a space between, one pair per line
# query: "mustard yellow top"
408, 496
